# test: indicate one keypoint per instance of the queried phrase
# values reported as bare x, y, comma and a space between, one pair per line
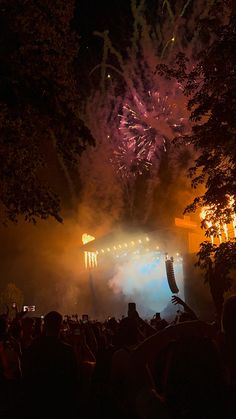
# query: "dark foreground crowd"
126, 369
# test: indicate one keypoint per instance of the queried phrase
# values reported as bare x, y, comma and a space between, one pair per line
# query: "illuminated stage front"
135, 269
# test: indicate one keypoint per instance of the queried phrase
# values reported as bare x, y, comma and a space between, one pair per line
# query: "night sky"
100, 16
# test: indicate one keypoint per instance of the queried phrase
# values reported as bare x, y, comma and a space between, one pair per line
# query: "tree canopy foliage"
39, 106
219, 264
211, 87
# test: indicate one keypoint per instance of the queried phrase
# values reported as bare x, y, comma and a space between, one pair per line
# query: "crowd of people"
70, 367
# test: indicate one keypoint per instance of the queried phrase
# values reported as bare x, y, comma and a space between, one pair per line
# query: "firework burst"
145, 127
152, 111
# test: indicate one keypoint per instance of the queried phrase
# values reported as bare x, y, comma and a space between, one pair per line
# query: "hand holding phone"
132, 312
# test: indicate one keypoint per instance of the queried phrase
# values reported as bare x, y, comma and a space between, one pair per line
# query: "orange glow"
86, 238
205, 214
231, 204
90, 258
185, 222
224, 229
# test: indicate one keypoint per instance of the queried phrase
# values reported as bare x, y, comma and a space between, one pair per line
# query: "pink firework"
145, 128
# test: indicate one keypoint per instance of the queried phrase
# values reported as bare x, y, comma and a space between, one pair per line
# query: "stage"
132, 267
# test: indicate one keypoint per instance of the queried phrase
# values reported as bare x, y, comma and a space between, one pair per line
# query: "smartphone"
13, 305
85, 318
132, 310
29, 308
131, 307
158, 316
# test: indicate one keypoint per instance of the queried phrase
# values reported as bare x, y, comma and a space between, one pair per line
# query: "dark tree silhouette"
219, 264
38, 103
211, 88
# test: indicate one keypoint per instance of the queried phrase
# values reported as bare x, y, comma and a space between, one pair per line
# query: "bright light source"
86, 238
108, 76
126, 245
102, 251
147, 239
157, 247
132, 243
140, 241
120, 246
114, 247
108, 249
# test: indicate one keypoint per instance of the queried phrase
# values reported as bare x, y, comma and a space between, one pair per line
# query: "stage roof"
121, 240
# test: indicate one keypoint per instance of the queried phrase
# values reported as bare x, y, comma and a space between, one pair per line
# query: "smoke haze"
46, 260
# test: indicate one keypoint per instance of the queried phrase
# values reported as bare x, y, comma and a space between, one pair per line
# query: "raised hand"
177, 300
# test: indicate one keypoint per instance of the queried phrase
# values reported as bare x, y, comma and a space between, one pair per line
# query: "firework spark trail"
153, 111
146, 124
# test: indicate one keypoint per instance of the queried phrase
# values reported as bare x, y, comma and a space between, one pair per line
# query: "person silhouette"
50, 373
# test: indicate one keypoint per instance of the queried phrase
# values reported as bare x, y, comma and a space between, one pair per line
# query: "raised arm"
177, 300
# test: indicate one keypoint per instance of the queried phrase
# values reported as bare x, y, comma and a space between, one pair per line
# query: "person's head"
128, 331
112, 324
229, 316
52, 323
